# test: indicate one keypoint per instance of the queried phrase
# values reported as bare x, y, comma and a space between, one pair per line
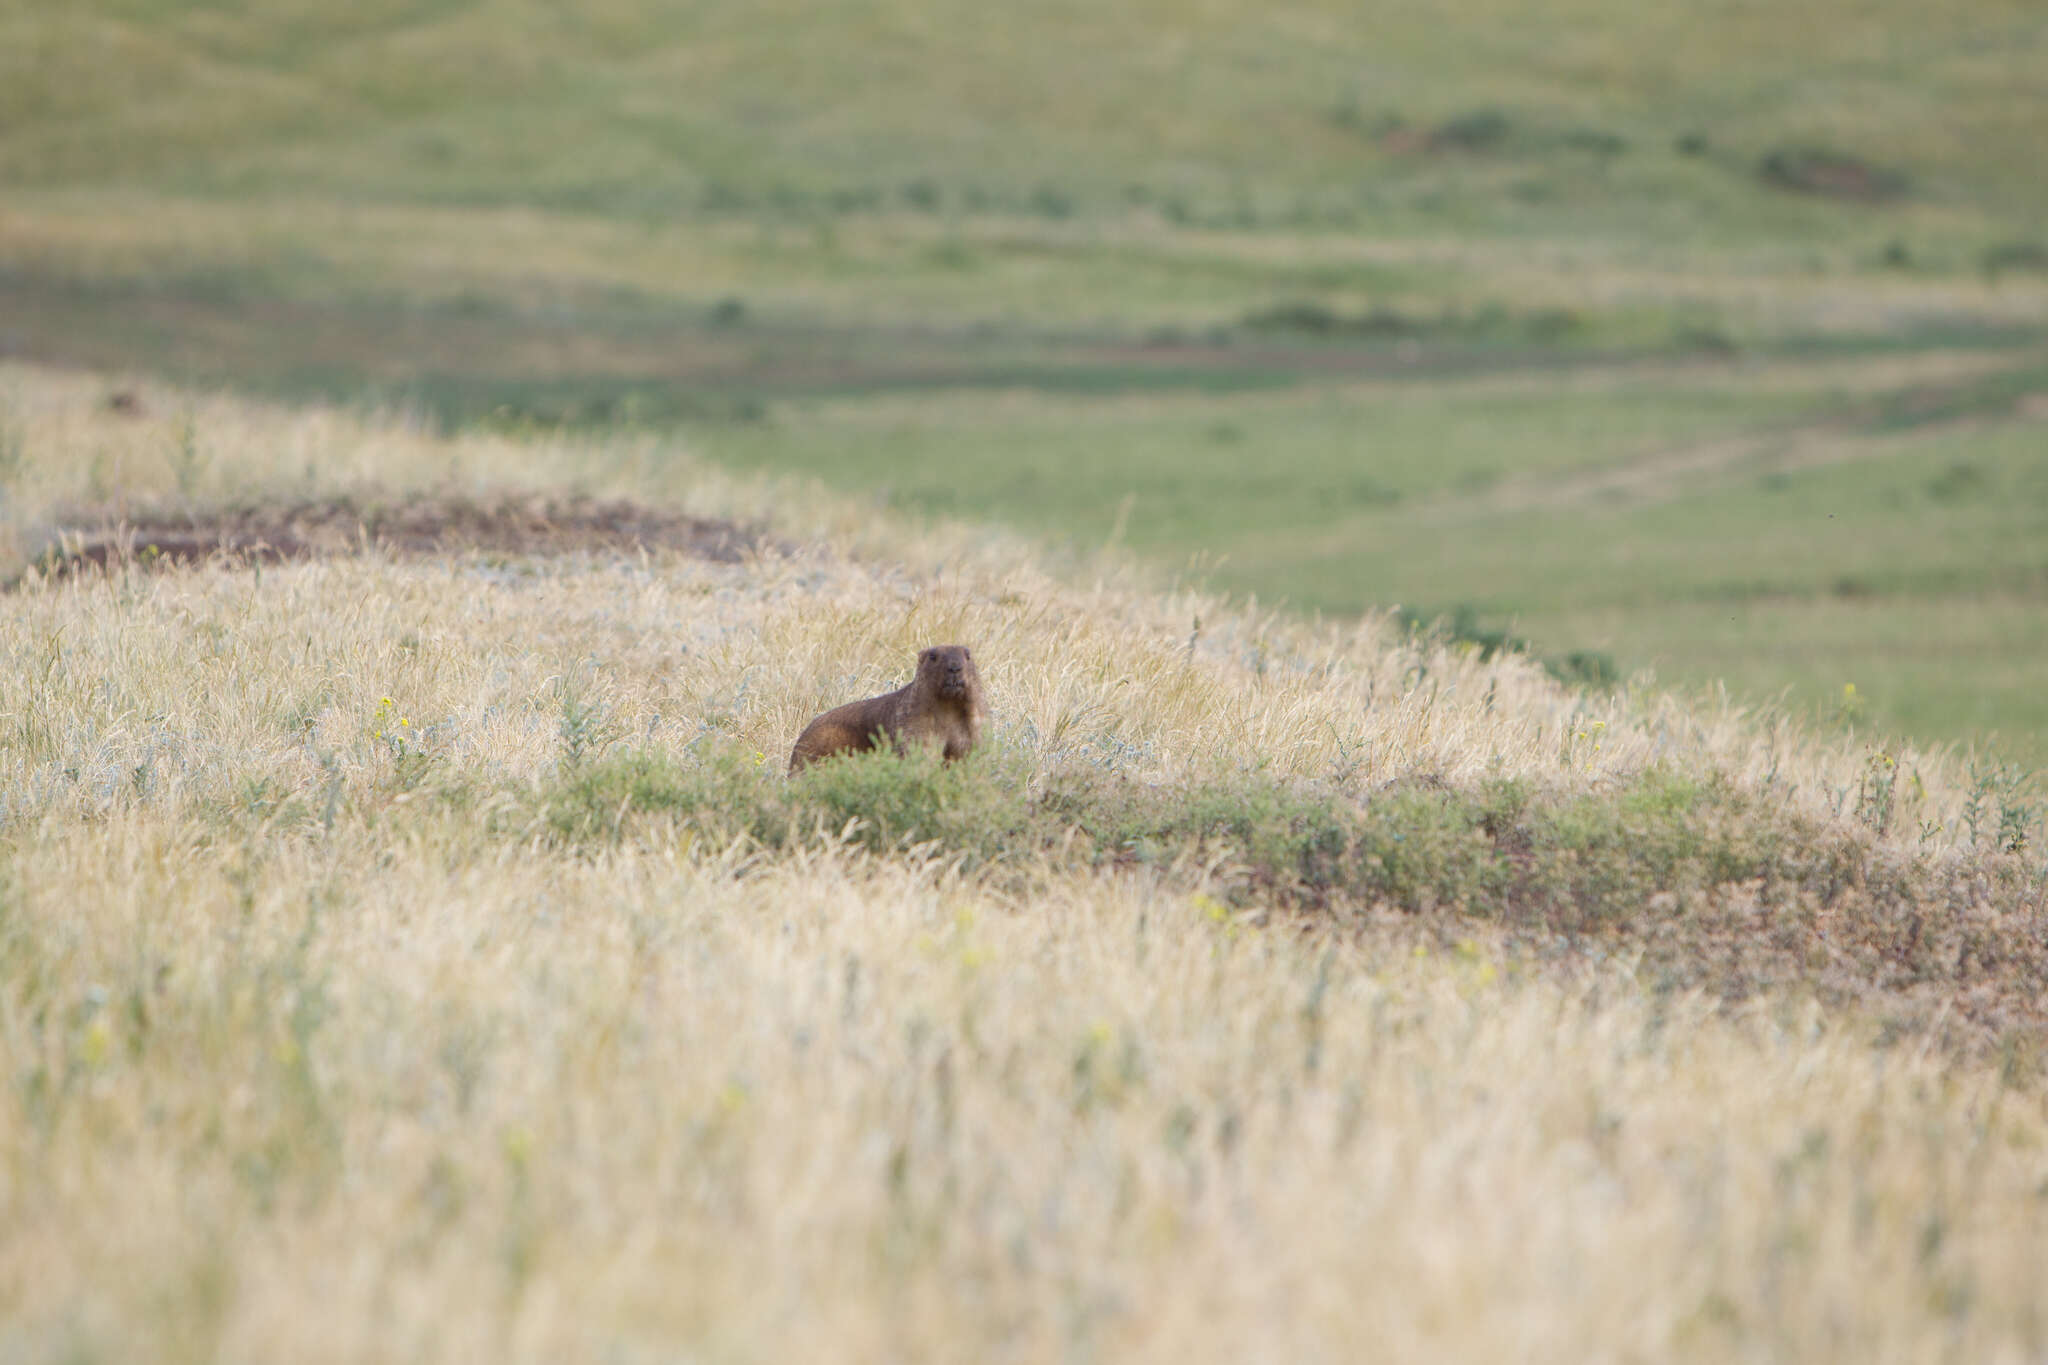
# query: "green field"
1711, 341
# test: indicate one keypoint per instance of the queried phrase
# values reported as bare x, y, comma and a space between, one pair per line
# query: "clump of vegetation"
924, 195
1476, 130
2014, 258
1999, 812
13, 454
1597, 142
1464, 627
1830, 173
875, 801
1049, 201
1961, 479
1308, 318
1491, 322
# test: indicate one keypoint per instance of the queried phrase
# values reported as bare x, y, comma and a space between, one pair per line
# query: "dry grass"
1177, 680
315, 1050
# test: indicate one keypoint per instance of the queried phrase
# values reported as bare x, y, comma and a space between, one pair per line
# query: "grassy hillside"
419, 955
411, 949
1793, 526
1708, 340
635, 109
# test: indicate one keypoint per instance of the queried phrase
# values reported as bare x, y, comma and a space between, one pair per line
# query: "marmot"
941, 705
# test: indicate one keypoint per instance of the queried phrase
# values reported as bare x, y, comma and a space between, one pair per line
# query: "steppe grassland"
634, 111
1281, 694
496, 208
317, 1051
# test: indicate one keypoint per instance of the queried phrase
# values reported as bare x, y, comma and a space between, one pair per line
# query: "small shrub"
1422, 850
1703, 339
1049, 202
890, 802
13, 452
1586, 668
1960, 480
1372, 493
1463, 627
586, 727
1318, 320
1474, 131
1833, 174
1502, 804
1602, 859
855, 199
594, 802
2003, 257
1998, 802
1877, 792
883, 801
1591, 668
1553, 324
1595, 142
952, 254
1311, 319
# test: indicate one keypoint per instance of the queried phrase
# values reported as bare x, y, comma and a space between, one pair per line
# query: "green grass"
1204, 473
1231, 111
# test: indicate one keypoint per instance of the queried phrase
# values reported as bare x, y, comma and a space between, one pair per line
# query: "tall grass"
391, 967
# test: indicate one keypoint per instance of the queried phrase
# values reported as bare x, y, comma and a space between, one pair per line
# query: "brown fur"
941, 707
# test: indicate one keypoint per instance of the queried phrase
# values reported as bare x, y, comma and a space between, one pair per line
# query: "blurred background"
1709, 338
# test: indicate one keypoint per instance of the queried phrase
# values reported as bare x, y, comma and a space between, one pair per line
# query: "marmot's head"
949, 671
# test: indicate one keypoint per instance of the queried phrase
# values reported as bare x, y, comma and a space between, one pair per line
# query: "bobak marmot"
941, 706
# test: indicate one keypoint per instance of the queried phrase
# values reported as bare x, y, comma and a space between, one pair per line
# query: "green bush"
1473, 131
1830, 173
2003, 257
596, 801
885, 802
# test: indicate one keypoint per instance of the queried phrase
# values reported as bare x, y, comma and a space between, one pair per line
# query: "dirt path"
1860, 433
1873, 426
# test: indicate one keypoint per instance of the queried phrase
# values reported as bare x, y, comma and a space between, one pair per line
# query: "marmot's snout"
950, 669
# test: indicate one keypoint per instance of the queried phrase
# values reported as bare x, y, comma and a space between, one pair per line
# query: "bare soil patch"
424, 526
